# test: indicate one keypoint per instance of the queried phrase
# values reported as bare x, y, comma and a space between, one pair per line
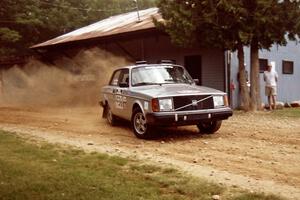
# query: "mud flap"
104, 113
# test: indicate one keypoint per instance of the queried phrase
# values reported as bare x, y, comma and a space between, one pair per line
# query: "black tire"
110, 117
209, 127
139, 125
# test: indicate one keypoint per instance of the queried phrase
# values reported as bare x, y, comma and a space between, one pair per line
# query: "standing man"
271, 78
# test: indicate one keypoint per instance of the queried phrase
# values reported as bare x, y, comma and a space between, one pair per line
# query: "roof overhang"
114, 26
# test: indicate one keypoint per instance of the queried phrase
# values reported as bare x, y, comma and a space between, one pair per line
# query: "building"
286, 63
134, 35
136, 39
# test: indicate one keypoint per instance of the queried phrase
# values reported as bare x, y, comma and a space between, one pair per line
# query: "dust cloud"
68, 82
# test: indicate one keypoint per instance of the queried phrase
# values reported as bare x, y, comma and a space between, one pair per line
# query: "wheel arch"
137, 105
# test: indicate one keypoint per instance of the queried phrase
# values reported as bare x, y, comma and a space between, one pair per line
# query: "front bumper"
187, 117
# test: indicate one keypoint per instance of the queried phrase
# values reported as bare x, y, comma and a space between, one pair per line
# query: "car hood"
166, 90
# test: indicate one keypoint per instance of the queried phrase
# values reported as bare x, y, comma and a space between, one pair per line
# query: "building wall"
159, 47
288, 84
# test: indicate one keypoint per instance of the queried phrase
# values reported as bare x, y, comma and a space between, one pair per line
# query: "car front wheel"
209, 127
139, 125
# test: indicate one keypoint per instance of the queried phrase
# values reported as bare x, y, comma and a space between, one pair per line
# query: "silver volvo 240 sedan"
151, 95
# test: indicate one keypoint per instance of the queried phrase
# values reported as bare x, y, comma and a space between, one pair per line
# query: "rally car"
153, 95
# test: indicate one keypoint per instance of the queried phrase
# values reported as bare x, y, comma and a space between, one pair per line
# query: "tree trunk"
244, 91
255, 103
1, 87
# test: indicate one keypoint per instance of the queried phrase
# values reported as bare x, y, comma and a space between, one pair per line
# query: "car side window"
124, 76
120, 76
115, 78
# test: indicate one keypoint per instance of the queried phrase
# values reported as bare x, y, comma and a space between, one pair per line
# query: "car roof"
147, 65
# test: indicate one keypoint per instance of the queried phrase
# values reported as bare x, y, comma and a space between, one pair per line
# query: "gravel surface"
257, 151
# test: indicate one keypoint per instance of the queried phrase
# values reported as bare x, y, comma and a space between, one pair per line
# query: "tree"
269, 22
208, 23
232, 25
27, 22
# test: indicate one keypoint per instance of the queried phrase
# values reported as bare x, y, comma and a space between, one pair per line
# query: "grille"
186, 100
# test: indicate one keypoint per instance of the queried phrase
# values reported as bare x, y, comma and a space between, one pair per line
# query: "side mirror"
123, 84
196, 81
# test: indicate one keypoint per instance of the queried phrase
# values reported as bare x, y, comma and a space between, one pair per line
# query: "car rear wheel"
209, 127
139, 125
111, 118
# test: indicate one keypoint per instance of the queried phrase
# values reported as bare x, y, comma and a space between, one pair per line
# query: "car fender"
140, 104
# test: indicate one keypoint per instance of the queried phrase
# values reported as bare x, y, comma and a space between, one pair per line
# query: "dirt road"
258, 151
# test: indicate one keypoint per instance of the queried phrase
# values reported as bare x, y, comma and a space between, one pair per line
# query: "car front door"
120, 94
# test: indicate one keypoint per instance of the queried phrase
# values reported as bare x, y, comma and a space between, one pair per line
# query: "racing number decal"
120, 101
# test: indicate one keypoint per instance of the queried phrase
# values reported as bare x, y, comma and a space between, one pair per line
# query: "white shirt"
270, 78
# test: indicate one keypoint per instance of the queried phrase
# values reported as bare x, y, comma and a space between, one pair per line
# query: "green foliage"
27, 22
225, 24
203, 23
269, 21
7, 35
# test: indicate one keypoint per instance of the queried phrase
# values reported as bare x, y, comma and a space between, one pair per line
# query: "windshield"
160, 75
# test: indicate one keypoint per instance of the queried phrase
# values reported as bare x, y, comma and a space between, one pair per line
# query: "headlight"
162, 105
218, 101
165, 104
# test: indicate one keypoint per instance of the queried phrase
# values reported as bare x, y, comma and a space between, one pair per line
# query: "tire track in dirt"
258, 151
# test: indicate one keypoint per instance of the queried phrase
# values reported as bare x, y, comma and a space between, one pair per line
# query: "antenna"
137, 10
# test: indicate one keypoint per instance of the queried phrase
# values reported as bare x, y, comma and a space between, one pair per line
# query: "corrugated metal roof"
123, 23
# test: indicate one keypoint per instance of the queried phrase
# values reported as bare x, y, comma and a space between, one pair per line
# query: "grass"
36, 170
285, 112
288, 112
